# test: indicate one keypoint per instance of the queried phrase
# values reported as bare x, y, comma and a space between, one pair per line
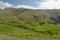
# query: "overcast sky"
31, 4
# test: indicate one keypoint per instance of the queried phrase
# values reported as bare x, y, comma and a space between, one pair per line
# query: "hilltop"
29, 14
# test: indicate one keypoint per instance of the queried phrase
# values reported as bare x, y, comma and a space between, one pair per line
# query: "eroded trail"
26, 37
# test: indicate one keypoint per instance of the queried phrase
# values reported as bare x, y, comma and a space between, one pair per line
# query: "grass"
10, 32
7, 29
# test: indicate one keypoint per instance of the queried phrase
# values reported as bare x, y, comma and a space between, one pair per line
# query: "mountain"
29, 14
40, 21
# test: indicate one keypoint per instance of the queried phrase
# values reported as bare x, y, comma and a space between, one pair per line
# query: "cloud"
49, 4
25, 6
7, 5
43, 4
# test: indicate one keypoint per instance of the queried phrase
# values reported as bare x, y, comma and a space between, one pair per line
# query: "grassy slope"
29, 22
14, 33
6, 29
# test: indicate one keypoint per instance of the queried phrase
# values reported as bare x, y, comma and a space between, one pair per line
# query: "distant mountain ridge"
30, 14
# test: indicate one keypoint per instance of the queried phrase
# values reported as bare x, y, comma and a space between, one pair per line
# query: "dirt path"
15, 37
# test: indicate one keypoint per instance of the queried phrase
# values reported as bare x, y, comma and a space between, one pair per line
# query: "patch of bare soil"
25, 37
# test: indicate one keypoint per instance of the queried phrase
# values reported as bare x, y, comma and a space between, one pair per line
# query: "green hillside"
29, 22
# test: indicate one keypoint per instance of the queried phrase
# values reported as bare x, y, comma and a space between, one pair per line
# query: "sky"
30, 4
